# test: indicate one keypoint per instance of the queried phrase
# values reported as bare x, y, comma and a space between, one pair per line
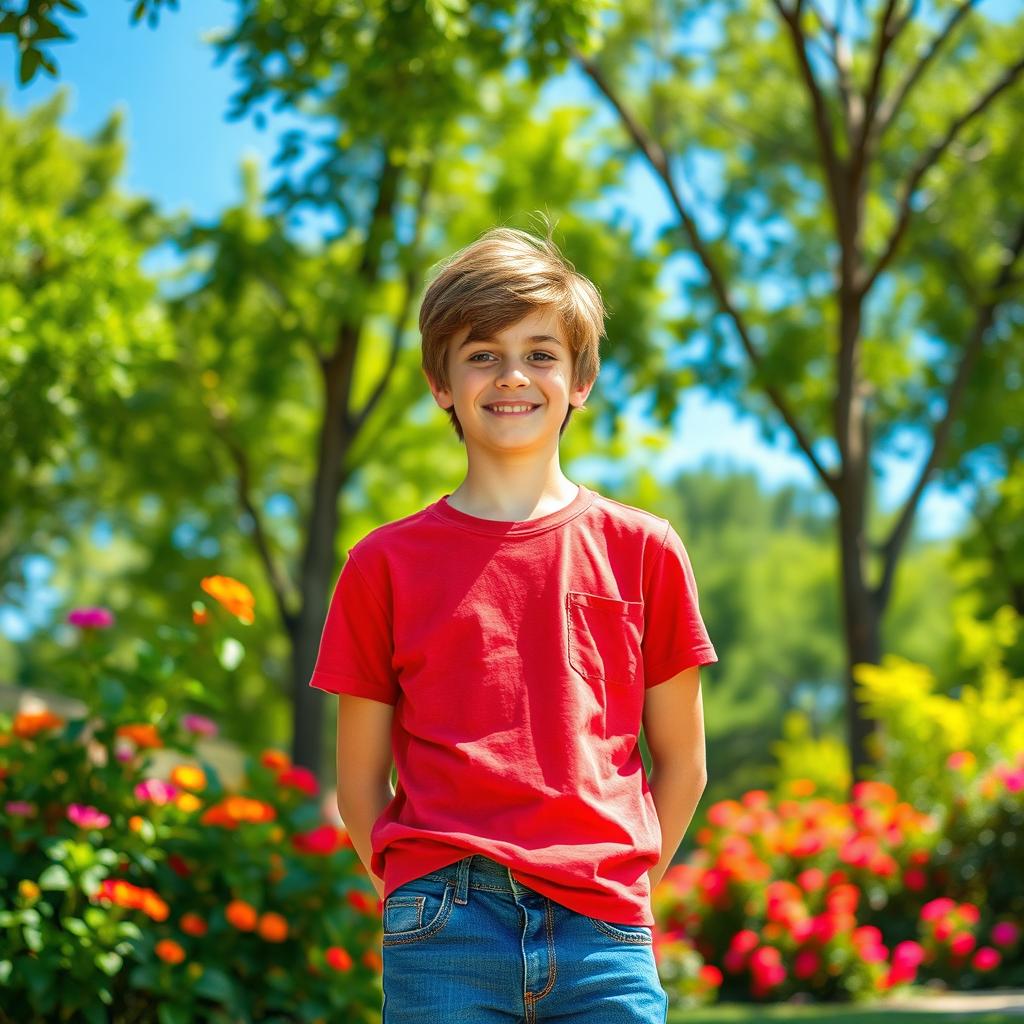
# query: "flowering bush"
832, 900
128, 896
800, 892
122, 891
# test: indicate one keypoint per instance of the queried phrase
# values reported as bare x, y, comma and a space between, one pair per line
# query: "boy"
503, 645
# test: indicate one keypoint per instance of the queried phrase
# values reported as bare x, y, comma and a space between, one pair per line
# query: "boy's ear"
578, 395
442, 396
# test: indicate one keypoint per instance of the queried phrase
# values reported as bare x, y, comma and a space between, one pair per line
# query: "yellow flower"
189, 776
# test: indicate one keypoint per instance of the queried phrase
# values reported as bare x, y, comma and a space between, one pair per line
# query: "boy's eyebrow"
533, 337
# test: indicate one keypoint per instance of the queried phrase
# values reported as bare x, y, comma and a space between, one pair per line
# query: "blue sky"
185, 154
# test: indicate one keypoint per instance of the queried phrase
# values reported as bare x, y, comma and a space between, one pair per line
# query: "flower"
986, 959
27, 724
133, 897
323, 841
272, 927
87, 816
169, 951
199, 724
1005, 933
189, 776
91, 618
20, 808
28, 890
234, 810
234, 595
192, 924
338, 959
143, 734
155, 791
241, 914
299, 778
276, 760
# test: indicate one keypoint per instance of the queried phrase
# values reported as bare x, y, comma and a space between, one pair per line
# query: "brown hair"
497, 280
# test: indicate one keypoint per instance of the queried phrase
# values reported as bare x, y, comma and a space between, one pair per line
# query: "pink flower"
199, 724
908, 954
937, 908
87, 816
806, 963
1014, 781
962, 943
91, 618
156, 791
960, 760
1005, 933
986, 959
22, 808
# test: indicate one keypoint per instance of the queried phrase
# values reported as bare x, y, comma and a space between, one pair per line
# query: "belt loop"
462, 883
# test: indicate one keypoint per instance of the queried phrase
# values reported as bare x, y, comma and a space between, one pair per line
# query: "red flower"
322, 841
299, 778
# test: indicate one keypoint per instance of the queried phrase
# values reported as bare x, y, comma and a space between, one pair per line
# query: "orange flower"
233, 810
372, 959
232, 594
188, 802
189, 776
200, 616
153, 906
169, 951
192, 924
132, 897
28, 723
275, 759
142, 734
241, 914
272, 927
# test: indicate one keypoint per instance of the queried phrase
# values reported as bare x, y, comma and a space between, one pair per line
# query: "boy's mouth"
511, 408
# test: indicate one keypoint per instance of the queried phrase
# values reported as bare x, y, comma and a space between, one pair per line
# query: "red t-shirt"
516, 655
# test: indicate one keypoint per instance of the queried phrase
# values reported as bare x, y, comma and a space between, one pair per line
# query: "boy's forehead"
535, 326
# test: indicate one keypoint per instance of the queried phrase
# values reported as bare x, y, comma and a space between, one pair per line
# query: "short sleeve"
675, 637
356, 645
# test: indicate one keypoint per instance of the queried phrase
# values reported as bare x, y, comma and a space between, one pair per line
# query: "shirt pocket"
604, 635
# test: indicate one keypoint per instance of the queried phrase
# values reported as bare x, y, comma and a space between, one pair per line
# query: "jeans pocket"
636, 934
417, 909
604, 635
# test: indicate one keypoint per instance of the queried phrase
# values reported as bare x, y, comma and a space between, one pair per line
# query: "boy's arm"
364, 770
673, 720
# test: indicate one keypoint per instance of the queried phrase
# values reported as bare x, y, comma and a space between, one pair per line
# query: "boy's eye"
547, 355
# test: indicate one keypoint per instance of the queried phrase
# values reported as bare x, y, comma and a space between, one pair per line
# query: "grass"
747, 1013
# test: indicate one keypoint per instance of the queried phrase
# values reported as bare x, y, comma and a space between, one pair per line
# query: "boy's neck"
513, 495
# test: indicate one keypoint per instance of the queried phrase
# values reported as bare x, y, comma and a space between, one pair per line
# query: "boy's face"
528, 363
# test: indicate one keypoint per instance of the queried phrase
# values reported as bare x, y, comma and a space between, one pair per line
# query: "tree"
865, 280
32, 23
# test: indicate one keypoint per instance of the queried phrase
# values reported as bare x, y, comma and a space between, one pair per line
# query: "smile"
523, 409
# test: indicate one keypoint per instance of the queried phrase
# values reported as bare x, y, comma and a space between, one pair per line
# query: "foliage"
126, 889
806, 896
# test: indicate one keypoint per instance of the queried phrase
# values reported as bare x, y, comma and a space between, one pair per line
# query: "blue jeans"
467, 944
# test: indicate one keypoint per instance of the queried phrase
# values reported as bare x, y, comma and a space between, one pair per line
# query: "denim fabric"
467, 944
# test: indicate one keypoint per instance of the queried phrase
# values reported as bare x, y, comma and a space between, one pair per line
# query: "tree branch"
890, 107
411, 280
822, 122
656, 157
887, 33
927, 160
985, 316
278, 582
